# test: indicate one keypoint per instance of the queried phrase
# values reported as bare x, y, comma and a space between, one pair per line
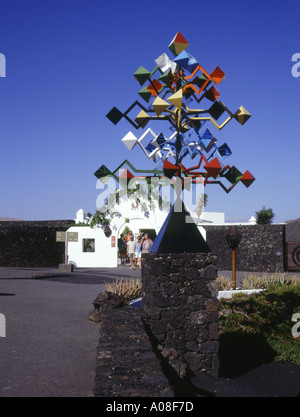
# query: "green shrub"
266, 316
264, 216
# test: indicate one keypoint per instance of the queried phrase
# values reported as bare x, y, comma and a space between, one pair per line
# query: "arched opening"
150, 232
138, 226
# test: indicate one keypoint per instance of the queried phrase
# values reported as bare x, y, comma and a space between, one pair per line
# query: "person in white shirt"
130, 251
138, 253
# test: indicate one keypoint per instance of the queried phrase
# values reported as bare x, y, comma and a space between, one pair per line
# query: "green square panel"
142, 75
103, 173
145, 94
233, 175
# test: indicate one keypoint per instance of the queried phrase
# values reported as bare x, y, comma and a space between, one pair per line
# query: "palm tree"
264, 216
201, 203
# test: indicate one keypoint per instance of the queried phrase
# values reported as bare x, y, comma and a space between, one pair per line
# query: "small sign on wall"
60, 236
113, 241
73, 237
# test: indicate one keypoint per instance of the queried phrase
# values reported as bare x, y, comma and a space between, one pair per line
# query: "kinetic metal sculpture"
169, 91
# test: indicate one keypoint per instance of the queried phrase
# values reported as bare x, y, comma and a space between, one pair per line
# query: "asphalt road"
50, 345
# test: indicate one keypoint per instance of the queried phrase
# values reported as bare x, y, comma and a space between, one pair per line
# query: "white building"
88, 247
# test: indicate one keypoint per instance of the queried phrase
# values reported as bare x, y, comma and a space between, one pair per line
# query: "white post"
2, 325
66, 248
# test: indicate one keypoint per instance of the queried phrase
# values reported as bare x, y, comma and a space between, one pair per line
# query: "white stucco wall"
104, 256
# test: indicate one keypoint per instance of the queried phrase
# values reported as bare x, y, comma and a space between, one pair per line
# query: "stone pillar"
180, 299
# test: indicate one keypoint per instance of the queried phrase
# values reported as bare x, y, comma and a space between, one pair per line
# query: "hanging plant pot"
107, 231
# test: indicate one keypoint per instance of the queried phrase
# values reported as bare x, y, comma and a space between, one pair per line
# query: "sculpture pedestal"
180, 298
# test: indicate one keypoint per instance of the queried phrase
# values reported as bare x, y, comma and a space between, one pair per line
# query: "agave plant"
274, 279
254, 281
127, 289
251, 282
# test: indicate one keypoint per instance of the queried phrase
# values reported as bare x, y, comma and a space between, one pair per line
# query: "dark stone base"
180, 299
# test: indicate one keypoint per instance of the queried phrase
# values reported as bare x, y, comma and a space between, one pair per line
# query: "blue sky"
70, 61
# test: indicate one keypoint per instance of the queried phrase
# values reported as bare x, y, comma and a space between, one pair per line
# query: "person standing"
146, 244
138, 253
130, 251
122, 245
128, 237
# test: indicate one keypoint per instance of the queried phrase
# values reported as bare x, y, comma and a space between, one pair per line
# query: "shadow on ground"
2, 294
247, 369
241, 352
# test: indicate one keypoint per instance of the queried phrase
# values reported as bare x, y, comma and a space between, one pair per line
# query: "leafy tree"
264, 216
99, 218
125, 231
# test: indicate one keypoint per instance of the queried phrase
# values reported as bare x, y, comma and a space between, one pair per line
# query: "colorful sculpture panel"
190, 150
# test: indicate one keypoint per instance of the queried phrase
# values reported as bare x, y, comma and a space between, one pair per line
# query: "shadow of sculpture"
240, 352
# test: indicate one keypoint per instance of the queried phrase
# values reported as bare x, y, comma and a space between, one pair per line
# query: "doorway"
150, 232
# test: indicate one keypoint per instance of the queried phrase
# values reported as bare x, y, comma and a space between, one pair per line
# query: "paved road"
50, 345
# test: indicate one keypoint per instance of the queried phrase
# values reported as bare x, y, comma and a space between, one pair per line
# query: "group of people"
133, 250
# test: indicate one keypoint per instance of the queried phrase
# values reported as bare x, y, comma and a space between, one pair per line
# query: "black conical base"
177, 236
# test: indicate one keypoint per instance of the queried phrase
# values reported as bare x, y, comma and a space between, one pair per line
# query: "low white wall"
230, 294
212, 217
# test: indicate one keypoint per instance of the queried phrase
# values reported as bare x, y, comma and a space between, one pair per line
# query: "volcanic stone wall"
31, 244
180, 298
262, 247
127, 366
293, 232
